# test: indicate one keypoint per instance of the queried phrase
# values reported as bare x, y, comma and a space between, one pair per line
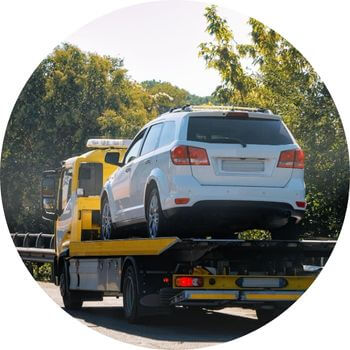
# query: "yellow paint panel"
214, 296
123, 247
274, 296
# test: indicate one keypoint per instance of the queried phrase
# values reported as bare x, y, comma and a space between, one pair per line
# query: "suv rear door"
242, 151
143, 166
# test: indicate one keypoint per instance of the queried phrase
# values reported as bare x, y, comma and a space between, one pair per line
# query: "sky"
159, 40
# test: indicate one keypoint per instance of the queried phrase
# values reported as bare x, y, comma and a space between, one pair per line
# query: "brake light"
198, 156
188, 155
179, 155
291, 159
187, 281
299, 159
301, 204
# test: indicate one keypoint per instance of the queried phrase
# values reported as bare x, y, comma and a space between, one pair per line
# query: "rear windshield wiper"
230, 140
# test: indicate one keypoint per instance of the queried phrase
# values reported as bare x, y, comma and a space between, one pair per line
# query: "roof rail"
193, 108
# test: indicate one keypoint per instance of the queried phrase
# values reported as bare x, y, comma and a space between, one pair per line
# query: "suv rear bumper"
233, 215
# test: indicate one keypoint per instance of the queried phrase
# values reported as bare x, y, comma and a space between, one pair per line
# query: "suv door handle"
127, 170
148, 161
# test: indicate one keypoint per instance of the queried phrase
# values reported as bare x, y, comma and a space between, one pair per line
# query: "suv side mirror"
48, 195
113, 158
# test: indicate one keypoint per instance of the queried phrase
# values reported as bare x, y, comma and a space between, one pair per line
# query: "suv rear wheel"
156, 222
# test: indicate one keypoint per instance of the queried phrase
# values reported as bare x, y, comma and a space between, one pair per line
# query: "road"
184, 330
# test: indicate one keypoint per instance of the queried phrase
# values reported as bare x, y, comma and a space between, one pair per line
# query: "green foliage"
255, 235
70, 97
40, 272
282, 80
167, 95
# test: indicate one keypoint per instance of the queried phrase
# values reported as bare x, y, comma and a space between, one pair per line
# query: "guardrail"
34, 240
35, 247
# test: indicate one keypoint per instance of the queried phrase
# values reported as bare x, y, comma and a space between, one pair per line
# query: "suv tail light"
291, 159
188, 155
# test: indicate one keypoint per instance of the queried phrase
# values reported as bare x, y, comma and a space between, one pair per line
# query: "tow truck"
158, 275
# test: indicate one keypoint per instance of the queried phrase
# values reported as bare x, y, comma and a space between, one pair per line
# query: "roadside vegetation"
74, 95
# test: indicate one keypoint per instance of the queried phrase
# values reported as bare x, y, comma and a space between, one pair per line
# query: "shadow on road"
182, 326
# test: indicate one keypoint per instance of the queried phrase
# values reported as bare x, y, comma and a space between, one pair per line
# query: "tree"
71, 96
167, 96
282, 80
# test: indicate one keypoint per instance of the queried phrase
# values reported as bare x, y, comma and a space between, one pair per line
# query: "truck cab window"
66, 187
90, 178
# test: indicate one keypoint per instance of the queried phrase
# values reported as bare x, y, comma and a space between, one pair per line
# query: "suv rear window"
238, 130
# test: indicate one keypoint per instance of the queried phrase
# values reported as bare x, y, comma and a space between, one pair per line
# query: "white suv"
195, 171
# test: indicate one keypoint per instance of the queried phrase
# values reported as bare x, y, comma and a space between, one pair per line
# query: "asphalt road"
183, 330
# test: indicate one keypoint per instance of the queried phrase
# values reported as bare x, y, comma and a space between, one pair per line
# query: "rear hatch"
242, 151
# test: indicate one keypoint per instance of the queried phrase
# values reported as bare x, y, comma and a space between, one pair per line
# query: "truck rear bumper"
214, 297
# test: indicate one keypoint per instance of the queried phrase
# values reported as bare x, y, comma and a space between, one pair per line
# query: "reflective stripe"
272, 296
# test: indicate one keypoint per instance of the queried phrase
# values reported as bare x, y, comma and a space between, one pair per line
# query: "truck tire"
131, 296
156, 222
71, 299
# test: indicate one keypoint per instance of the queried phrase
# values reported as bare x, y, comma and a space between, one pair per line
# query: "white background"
30, 29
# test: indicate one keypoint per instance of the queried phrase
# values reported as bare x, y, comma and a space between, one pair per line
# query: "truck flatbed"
169, 272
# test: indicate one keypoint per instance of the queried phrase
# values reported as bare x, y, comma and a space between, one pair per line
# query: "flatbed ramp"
194, 248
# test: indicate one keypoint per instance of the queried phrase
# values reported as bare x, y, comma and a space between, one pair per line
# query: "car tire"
291, 231
107, 226
156, 222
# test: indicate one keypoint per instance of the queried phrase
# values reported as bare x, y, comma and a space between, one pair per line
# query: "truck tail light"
188, 155
188, 281
291, 159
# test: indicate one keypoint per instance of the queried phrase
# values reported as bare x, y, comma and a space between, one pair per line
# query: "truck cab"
71, 193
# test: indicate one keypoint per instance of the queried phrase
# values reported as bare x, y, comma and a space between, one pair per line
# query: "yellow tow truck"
157, 275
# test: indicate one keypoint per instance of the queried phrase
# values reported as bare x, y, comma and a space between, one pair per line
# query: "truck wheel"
107, 228
156, 222
71, 299
130, 296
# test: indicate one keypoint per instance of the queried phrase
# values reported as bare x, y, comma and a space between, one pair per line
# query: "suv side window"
133, 151
168, 134
151, 139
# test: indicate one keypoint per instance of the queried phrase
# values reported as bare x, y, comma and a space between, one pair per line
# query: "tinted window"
151, 139
168, 134
236, 130
133, 151
90, 178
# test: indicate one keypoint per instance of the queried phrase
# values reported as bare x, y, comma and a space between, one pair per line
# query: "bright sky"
159, 40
